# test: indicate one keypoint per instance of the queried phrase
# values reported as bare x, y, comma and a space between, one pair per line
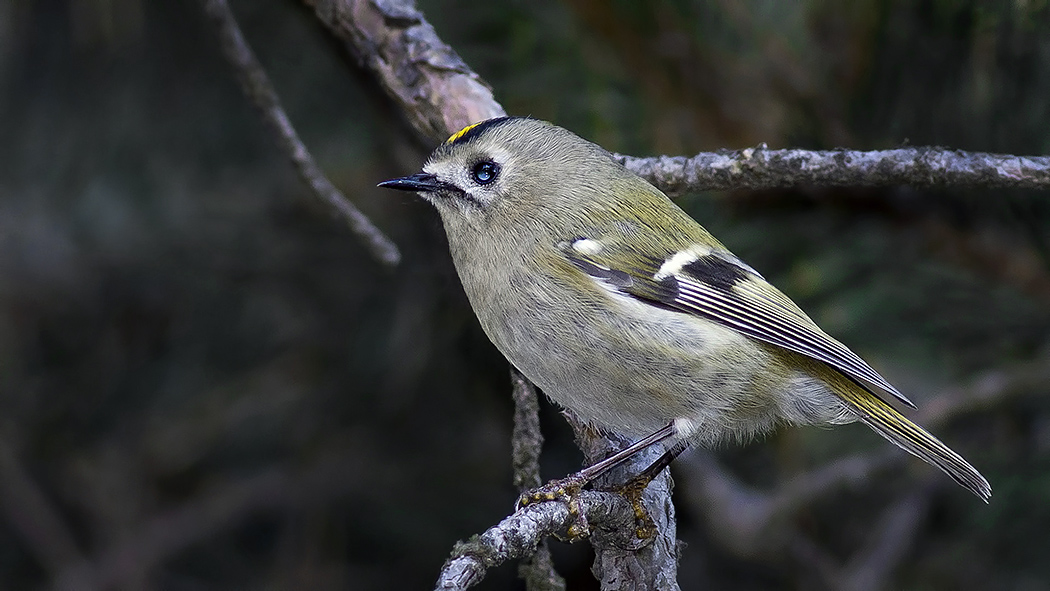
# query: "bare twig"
762, 168
519, 534
439, 94
526, 442
257, 86
527, 439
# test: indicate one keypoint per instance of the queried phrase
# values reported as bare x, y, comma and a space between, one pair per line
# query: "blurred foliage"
205, 383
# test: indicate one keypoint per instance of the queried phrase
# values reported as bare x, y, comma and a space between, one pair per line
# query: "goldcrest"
627, 312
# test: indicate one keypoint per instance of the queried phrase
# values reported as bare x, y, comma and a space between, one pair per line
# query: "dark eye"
484, 172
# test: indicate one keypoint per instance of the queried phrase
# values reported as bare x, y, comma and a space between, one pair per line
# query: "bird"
630, 314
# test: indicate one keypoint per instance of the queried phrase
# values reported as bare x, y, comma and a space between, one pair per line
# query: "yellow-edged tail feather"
895, 427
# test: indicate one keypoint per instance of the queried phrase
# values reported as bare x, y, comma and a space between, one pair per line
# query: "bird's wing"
715, 284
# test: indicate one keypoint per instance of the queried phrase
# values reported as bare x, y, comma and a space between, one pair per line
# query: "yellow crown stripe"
462, 132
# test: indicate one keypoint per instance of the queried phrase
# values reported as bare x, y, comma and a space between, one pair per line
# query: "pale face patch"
455, 171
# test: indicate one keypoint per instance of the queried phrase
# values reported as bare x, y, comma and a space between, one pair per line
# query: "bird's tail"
886, 421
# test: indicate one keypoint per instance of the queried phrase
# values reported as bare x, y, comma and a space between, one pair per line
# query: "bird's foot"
566, 490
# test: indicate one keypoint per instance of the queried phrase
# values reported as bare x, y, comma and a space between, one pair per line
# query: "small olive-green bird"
627, 312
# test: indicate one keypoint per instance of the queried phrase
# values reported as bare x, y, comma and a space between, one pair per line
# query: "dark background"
206, 383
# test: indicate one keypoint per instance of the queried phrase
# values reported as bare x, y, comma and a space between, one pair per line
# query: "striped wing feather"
736, 296
720, 288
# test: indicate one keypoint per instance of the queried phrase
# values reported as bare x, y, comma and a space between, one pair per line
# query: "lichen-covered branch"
518, 535
762, 168
437, 92
256, 84
527, 439
654, 564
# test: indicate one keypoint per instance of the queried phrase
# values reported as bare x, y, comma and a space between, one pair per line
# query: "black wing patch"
612, 277
715, 287
717, 272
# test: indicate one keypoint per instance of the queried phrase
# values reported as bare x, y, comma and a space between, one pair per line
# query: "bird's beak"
421, 181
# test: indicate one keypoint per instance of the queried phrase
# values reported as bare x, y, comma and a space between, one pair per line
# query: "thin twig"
527, 439
257, 86
439, 93
762, 168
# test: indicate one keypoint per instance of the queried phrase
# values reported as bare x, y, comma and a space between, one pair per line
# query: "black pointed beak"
420, 181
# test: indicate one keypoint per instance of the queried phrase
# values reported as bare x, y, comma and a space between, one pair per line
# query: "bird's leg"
567, 489
646, 476
634, 488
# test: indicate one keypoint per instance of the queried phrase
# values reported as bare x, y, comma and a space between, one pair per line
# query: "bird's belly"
633, 368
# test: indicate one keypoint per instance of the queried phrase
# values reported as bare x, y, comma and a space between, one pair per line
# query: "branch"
257, 86
518, 535
608, 517
435, 89
527, 439
439, 94
762, 168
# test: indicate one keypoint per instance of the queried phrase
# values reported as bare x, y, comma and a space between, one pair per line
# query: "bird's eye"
484, 172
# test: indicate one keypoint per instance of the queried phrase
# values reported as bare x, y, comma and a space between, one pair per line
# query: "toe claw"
566, 490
